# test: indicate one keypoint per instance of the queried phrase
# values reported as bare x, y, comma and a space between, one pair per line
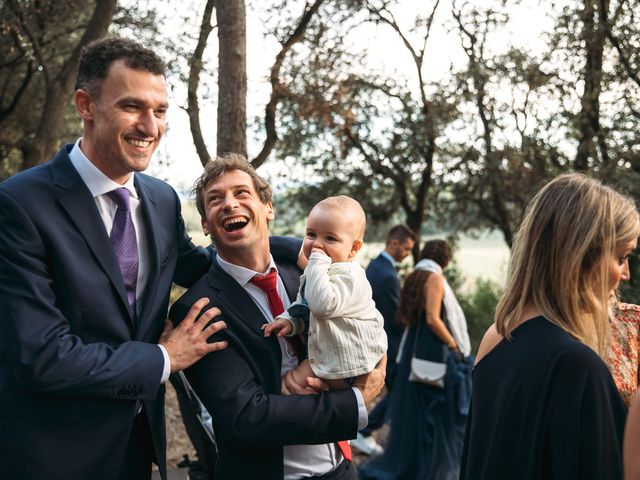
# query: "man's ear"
84, 104
271, 214
355, 248
205, 229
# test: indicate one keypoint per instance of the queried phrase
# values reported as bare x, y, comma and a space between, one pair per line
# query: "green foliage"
478, 305
479, 308
630, 291
39, 50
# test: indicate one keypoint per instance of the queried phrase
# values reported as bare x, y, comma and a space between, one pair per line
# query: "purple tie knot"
120, 196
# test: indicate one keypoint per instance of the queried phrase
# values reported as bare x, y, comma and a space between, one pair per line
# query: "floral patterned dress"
625, 344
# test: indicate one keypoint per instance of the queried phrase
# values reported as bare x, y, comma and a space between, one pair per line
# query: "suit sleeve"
249, 417
193, 261
35, 337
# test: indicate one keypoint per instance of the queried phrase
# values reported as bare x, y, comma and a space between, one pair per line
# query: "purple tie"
125, 246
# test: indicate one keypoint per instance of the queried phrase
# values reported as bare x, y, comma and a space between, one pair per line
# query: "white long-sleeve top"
346, 333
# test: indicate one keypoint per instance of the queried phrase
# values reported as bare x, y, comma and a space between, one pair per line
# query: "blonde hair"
348, 207
559, 261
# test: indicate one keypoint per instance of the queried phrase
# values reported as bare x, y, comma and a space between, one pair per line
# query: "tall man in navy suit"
382, 275
89, 248
261, 433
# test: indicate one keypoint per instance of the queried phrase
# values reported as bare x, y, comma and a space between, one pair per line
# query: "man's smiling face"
235, 216
124, 120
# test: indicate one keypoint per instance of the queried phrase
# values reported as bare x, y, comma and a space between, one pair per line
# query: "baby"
346, 337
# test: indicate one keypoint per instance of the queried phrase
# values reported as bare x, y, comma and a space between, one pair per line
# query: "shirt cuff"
166, 368
363, 416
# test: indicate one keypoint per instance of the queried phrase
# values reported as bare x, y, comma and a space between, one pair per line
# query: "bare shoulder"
435, 280
490, 339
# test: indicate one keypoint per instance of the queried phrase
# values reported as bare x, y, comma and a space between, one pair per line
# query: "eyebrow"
232, 187
139, 101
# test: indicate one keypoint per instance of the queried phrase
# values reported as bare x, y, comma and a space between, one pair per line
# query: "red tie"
267, 283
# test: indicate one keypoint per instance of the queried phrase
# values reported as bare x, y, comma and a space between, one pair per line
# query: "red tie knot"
267, 283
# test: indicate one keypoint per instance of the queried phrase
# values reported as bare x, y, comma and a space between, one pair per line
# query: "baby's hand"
280, 326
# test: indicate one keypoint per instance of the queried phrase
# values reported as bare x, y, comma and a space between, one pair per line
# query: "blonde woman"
544, 404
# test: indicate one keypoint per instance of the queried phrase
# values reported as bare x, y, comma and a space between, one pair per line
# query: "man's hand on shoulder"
371, 383
187, 343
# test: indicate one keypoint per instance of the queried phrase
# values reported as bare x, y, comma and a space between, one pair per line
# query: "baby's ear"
355, 248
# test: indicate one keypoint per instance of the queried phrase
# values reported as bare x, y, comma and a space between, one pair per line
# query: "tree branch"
278, 90
193, 107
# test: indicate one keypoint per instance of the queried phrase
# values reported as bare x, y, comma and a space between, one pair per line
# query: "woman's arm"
434, 293
632, 442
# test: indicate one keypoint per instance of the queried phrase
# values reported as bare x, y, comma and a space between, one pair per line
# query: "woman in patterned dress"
625, 345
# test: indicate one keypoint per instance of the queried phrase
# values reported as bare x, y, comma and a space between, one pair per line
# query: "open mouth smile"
235, 223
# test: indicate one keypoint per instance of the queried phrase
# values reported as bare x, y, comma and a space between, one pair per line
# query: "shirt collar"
96, 181
388, 257
243, 275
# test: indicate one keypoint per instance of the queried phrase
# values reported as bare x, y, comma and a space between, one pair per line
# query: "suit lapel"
235, 302
151, 217
80, 205
291, 279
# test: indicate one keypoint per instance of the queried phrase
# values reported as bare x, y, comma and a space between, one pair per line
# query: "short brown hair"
437, 250
97, 57
400, 233
224, 164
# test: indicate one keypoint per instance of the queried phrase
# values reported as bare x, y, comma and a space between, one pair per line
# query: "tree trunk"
232, 77
588, 121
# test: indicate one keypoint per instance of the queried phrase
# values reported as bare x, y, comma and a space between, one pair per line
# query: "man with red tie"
261, 433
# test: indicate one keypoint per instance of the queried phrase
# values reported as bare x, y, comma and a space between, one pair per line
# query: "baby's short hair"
347, 206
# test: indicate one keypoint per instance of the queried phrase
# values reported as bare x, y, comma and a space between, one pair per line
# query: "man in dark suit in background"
89, 248
261, 433
383, 278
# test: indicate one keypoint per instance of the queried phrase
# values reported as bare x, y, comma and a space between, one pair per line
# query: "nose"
149, 124
229, 202
625, 271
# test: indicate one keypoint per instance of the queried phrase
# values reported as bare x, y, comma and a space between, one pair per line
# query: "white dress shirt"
99, 185
299, 460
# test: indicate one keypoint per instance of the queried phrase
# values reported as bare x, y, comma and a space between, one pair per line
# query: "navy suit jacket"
72, 362
383, 278
240, 386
